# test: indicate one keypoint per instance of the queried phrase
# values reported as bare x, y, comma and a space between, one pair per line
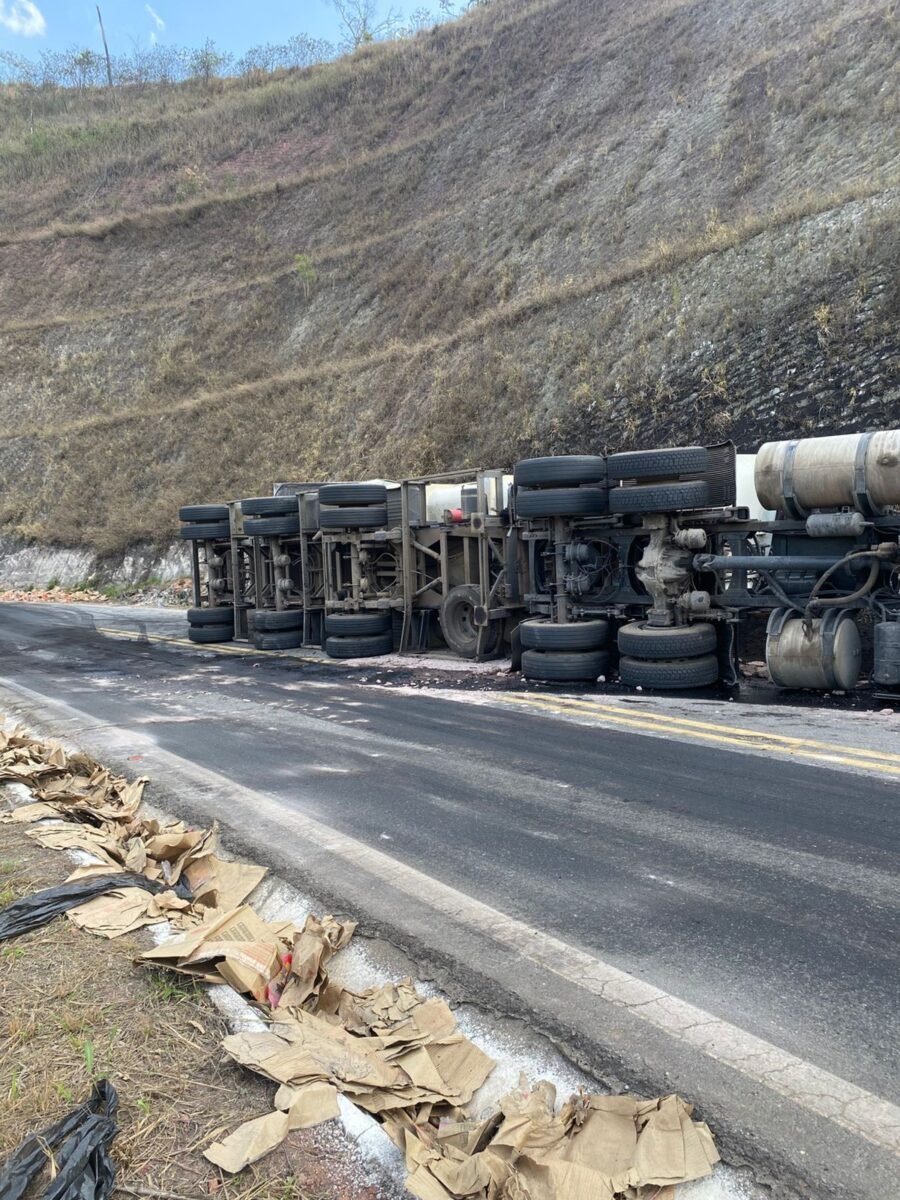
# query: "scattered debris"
754, 670
176, 594
159, 872
56, 595
33, 911
74, 1009
392, 1052
75, 1150
301, 1108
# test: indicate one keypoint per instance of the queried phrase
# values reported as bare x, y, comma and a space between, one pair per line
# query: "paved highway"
685, 895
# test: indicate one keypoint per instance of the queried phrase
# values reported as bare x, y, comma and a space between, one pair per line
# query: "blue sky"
29, 26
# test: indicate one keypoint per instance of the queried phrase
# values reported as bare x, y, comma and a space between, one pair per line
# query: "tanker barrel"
860, 471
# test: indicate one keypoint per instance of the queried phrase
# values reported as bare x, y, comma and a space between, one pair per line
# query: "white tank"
440, 497
852, 470
744, 469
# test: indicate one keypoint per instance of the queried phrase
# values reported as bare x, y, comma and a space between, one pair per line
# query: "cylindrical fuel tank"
887, 654
853, 470
823, 656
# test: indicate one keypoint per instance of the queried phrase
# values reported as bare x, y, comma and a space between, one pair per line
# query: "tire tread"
671, 673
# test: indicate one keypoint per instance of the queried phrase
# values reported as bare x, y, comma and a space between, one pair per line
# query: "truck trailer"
649, 566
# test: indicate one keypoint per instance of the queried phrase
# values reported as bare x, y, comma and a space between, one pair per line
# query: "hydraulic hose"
779, 591
878, 555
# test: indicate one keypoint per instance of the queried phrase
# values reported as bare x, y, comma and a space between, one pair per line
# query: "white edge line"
819, 1091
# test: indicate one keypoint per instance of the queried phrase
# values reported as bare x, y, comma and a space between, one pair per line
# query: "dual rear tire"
667, 492
562, 653
204, 522
210, 625
567, 485
359, 634
668, 658
271, 516
353, 506
274, 630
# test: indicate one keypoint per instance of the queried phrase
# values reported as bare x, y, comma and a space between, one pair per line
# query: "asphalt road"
763, 889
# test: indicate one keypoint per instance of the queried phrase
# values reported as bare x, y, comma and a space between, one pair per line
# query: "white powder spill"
18, 793
410, 662
724, 1184
516, 1050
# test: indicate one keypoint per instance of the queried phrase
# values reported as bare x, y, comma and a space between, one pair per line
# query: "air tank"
823, 655
886, 669
853, 470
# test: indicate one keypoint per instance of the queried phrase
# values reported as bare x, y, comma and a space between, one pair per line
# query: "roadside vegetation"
76, 1009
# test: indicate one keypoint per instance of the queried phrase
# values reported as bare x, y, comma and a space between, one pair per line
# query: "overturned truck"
650, 567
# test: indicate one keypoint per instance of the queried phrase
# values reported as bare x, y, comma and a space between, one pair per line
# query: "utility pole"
109, 77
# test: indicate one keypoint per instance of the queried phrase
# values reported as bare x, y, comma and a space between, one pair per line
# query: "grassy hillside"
553, 225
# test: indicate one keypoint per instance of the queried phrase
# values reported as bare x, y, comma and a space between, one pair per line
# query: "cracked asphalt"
675, 913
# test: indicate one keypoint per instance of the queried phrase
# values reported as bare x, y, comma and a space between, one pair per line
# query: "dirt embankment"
554, 225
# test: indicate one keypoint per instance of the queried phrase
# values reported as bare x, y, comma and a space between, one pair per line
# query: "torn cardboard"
307, 1106
394, 1053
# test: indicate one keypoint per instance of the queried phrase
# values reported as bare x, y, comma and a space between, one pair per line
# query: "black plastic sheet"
31, 912
79, 1144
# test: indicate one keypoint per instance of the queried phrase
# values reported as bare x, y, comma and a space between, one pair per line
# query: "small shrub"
306, 273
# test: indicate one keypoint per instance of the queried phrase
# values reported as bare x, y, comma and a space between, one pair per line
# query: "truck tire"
542, 634
284, 639
561, 502
359, 647
555, 666
673, 673
203, 512
659, 464
373, 516
353, 493
267, 621
272, 526
270, 506
458, 622
342, 624
560, 470
659, 497
211, 633
638, 640
211, 616
215, 530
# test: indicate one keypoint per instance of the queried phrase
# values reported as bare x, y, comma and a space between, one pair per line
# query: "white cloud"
22, 16
152, 38
157, 19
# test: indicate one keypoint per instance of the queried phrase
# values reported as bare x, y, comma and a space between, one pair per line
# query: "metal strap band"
791, 505
860, 486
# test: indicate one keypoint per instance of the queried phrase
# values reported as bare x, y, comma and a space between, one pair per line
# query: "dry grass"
519, 240
75, 1008
662, 260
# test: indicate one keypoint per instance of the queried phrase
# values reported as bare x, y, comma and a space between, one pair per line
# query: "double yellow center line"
216, 647
595, 712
